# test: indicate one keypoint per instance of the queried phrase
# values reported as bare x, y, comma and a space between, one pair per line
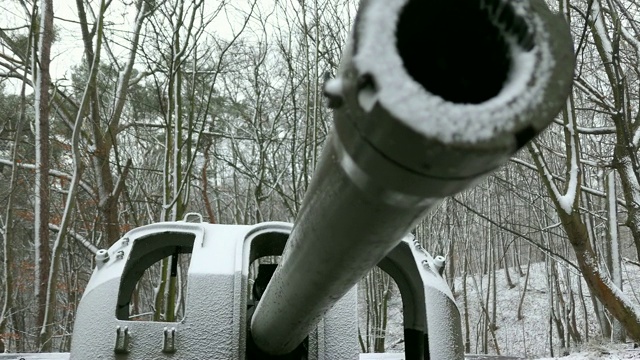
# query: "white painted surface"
41, 356
382, 356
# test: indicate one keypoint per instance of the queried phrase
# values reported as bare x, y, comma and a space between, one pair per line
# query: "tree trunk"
602, 286
605, 327
614, 261
42, 81
505, 258
524, 288
494, 285
584, 309
465, 301
631, 190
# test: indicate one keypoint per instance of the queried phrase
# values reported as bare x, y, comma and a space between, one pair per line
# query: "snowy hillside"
529, 337
603, 352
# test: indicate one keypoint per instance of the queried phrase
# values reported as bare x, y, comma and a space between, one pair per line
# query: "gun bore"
463, 48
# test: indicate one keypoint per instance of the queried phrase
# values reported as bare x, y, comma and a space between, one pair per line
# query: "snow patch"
333, 87
367, 98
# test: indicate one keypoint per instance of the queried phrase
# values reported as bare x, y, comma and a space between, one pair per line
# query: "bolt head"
102, 255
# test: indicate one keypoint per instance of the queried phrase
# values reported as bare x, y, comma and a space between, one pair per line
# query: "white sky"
67, 51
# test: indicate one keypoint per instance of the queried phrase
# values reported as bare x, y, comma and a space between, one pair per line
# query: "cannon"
430, 97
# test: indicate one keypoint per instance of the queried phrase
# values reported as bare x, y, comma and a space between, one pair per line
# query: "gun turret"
430, 97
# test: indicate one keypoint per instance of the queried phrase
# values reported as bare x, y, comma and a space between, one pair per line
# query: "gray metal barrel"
430, 97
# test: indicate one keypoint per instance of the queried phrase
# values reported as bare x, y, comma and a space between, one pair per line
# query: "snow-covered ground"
604, 352
529, 337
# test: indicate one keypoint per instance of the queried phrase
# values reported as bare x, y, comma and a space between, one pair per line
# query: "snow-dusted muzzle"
459, 72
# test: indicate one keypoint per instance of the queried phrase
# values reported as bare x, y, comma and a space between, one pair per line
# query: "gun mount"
424, 107
215, 321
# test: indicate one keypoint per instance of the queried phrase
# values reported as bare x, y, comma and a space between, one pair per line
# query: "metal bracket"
198, 217
439, 262
102, 257
169, 340
122, 340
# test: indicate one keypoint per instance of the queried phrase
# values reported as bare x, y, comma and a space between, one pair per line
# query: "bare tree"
8, 223
51, 301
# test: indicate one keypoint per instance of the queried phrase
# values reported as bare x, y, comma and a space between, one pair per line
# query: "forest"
121, 113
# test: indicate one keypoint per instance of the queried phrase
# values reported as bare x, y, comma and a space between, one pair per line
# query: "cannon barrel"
430, 96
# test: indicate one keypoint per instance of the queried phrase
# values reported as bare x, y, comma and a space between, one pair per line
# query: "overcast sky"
67, 51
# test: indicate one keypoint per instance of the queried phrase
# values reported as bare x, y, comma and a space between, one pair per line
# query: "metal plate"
41, 356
